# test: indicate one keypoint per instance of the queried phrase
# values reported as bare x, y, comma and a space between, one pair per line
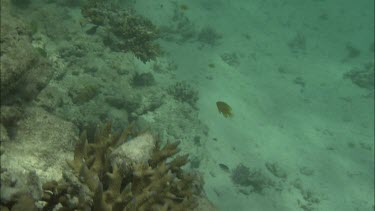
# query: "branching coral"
97, 184
126, 31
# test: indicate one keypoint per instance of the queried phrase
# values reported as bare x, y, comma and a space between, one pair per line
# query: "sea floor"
303, 131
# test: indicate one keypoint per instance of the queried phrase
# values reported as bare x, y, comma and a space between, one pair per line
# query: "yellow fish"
224, 109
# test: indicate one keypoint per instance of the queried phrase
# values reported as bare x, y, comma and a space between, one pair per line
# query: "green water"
298, 77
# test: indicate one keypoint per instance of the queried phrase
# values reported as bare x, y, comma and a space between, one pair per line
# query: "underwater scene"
178, 105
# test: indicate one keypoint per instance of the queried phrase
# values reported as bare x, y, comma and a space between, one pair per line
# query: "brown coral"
99, 185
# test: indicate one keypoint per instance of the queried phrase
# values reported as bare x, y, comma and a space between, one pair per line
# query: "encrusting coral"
97, 183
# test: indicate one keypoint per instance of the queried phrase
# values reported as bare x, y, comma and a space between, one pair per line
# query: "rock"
43, 143
23, 71
137, 150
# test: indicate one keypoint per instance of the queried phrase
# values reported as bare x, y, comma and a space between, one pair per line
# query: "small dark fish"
224, 167
224, 109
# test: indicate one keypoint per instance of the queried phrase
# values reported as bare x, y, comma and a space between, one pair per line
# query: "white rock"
137, 150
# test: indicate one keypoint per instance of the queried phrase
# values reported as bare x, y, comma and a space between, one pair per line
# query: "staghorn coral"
96, 183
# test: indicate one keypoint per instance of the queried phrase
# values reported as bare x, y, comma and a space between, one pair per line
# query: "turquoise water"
296, 79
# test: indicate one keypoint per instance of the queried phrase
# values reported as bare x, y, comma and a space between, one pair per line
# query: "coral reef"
143, 79
90, 97
125, 31
69, 3
24, 72
85, 89
103, 185
83, 93
184, 92
108, 172
50, 98
15, 188
24, 202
